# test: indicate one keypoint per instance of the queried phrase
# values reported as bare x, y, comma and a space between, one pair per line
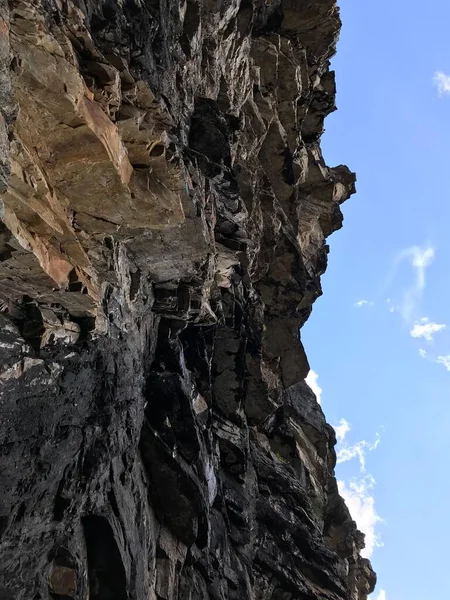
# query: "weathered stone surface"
165, 206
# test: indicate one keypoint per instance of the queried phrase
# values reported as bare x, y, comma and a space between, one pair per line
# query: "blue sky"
384, 365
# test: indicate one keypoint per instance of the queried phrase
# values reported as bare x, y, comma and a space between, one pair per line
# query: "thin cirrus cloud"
311, 380
442, 83
426, 329
358, 492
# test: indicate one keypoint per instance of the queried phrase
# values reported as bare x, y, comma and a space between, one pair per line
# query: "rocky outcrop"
164, 214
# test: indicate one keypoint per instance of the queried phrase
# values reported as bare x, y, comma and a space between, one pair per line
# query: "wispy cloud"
346, 451
442, 83
381, 595
357, 492
390, 305
362, 303
311, 380
421, 258
341, 430
444, 360
440, 360
426, 329
358, 495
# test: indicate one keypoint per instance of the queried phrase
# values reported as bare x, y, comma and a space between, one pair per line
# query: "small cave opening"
107, 579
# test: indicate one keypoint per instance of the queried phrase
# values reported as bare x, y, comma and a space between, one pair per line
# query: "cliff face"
163, 221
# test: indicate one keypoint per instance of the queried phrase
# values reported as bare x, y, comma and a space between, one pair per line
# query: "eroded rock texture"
163, 222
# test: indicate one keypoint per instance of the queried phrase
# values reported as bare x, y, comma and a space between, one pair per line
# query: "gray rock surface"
164, 214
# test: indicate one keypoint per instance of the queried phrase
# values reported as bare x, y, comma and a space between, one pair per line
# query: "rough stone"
164, 213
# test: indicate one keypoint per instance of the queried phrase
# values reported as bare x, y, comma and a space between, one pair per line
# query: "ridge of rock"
164, 213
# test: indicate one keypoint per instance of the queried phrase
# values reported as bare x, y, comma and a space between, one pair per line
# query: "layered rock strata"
164, 211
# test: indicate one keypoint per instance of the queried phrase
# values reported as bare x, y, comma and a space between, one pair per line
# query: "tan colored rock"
63, 581
69, 160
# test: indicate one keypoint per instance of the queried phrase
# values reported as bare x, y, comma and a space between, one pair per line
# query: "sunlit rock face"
164, 212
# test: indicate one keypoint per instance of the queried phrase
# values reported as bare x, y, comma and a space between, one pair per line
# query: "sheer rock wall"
164, 212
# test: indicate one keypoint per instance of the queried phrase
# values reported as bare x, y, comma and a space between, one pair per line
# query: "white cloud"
442, 82
341, 430
357, 492
422, 257
444, 360
422, 352
358, 496
362, 303
381, 595
426, 329
311, 380
358, 450
346, 451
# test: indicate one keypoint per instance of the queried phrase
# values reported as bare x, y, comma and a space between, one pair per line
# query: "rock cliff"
164, 212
